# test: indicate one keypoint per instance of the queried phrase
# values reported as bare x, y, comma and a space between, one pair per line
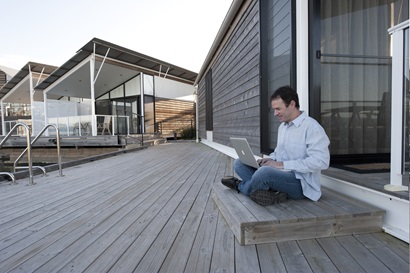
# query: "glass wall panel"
133, 87
84, 107
135, 127
121, 119
37, 118
276, 62
117, 92
356, 74
406, 115
149, 115
104, 97
57, 108
148, 85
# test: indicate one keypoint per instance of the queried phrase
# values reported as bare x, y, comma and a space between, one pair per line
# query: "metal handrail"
34, 141
11, 176
28, 149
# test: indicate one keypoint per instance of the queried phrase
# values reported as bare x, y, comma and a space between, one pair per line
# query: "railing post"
29, 158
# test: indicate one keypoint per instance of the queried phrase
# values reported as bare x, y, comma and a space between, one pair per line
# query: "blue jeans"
266, 178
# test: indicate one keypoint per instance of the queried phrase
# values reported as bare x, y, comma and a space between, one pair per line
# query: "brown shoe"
268, 197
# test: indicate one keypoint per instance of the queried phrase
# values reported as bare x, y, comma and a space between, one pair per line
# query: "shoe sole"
267, 198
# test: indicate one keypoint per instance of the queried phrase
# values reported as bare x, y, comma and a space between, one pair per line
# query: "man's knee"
237, 163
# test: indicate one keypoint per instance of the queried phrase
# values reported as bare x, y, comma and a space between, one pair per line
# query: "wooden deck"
152, 211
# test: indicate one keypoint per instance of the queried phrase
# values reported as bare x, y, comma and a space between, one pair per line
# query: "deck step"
332, 215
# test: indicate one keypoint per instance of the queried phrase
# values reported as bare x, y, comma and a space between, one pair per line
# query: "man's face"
283, 112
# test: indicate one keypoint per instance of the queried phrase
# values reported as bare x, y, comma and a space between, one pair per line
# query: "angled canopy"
20, 83
114, 65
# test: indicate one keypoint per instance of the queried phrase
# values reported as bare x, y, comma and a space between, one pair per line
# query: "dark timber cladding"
235, 82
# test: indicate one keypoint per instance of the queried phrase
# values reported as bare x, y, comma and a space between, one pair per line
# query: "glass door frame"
397, 172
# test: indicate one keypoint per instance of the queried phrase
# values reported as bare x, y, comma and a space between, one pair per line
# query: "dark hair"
287, 94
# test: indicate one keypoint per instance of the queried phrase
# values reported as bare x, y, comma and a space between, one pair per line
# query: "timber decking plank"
258, 234
25, 220
260, 213
179, 253
61, 251
362, 256
399, 247
270, 258
231, 209
313, 208
46, 220
223, 255
340, 257
300, 213
46, 236
293, 257
316, 257
199, 259
230, 197
110, 258
388, 257
246, 259
47, 195
282, 214
160, 247
140, 222
353, 206
77, 222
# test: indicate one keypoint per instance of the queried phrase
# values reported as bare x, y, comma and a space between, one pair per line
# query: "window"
350, 92
406, 112
208, 101
278, 61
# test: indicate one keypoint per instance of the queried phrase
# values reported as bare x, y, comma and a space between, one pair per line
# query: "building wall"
235, 85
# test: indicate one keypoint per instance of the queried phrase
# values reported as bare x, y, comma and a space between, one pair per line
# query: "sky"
180, 32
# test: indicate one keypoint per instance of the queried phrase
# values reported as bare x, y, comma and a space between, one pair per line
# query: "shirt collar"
297, 121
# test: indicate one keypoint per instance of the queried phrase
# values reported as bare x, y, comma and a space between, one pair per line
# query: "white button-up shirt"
303, 147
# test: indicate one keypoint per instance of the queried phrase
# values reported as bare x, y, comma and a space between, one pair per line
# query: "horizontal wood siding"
174, 114
236, 98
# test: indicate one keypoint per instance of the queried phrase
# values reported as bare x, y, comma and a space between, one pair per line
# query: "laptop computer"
244, 152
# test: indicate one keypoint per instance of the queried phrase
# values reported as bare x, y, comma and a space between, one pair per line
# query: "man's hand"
270, 162
263, 161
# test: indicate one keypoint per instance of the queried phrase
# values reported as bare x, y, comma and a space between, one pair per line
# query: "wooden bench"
332, 215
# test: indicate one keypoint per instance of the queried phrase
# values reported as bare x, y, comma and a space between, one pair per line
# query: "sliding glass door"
351, 89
